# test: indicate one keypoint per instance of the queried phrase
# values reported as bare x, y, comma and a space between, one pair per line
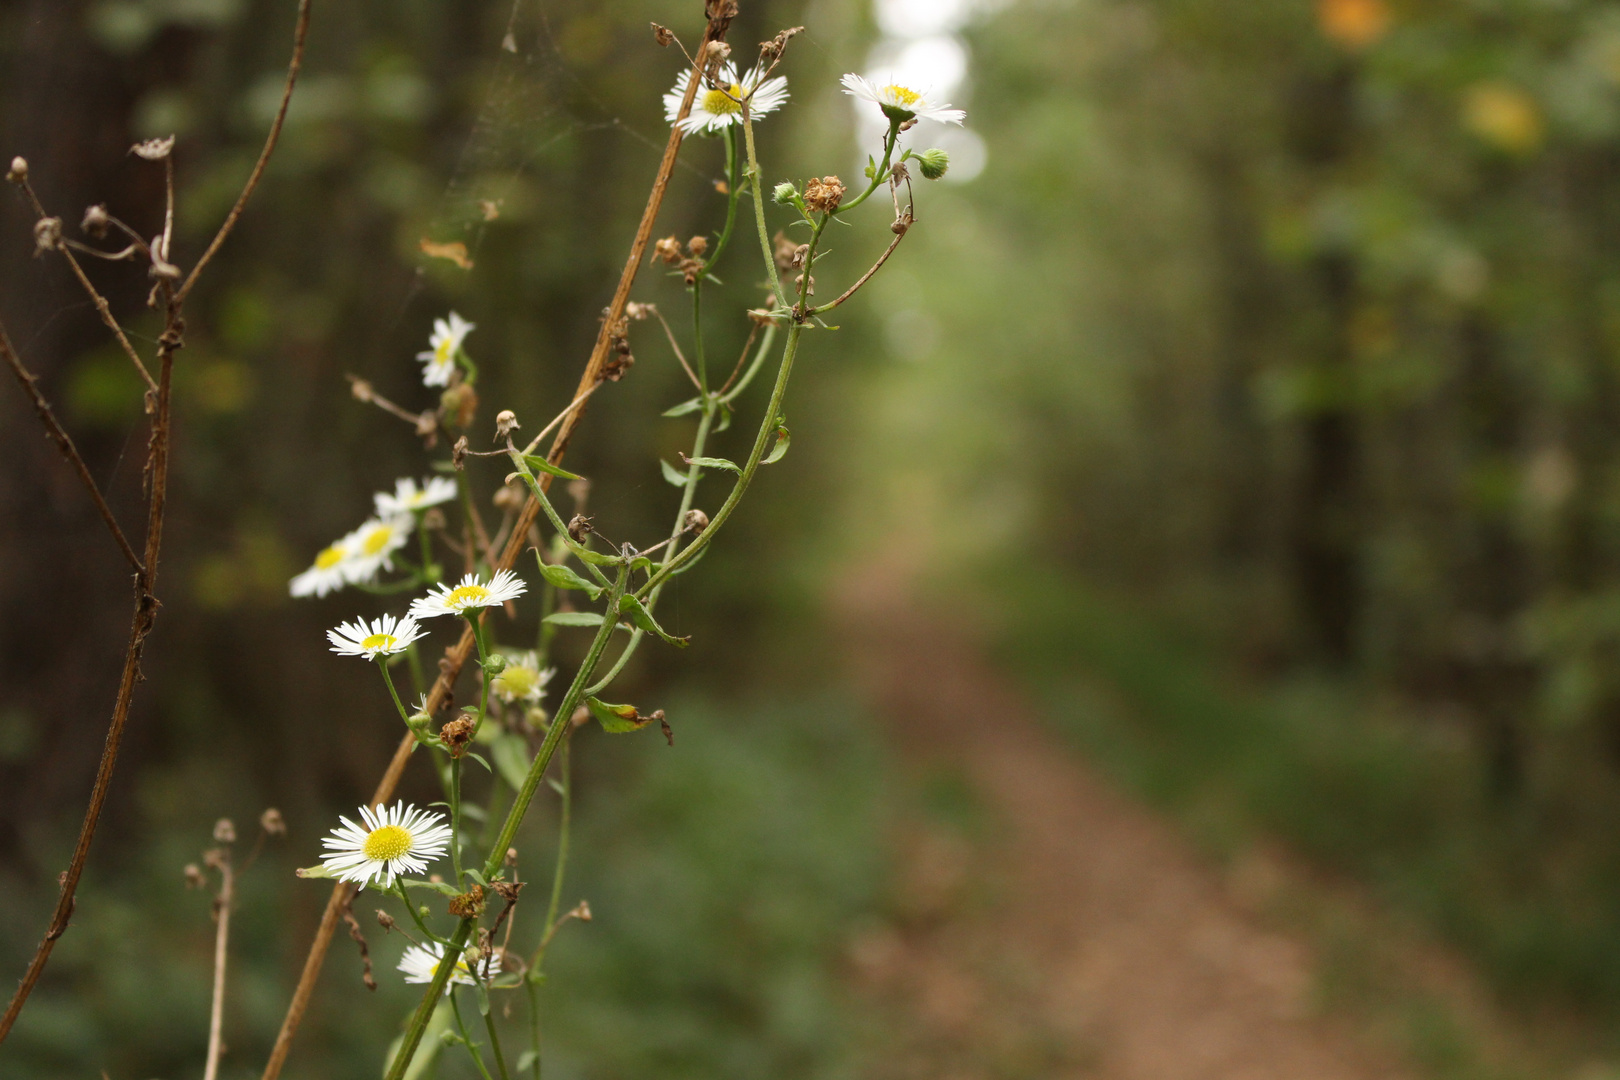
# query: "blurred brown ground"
1079, 934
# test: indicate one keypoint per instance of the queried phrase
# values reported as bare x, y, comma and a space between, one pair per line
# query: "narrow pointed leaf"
685, 407
783, 441
629, 605
712, 463
574, 618
620, 719
564, 578
672, 474
540, 464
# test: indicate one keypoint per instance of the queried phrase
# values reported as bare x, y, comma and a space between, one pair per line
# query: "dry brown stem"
64, 442
156, 474
719, 21
222, 939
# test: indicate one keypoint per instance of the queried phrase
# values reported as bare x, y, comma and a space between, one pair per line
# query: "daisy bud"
95, 221
270, 821
47, 235
697, 245
663, 35
696, 521
933, 163
494, 665
19, 170
784, 194
506, 422
225, 831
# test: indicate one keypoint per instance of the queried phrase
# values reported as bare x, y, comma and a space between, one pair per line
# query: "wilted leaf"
455, 252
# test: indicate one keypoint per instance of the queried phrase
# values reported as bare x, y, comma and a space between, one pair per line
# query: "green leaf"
620, 719
540, 464
685, 407
481, 760
587, 555
783, 441
511, 754
672, 474
712, 463
574, 618
639, 615
525, 1059
564, 578
437, 886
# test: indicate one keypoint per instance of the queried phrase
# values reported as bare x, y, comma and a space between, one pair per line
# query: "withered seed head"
225, 831
579, 528
663, 35
458, 454
47, 235
153, 149
823, 196
19, 170
385, 920
194, 877
270, 821
95, 221
468, 905
695, 521
457, 734
667, 250
719, 52
506, 422
697, 246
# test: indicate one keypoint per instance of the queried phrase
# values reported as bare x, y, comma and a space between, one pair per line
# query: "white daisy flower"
385, 636
328, 573
373, 545
443, 345
901, 102
393, 839
408, 498
470, 595
522, 680
421, 961
714, 110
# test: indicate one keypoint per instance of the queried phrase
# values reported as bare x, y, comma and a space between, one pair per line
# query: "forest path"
1061, 929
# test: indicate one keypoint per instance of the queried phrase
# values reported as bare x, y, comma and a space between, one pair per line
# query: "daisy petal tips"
390, 841
385, 636
715, 109
901, 103
470, 595
408, 498
420, 962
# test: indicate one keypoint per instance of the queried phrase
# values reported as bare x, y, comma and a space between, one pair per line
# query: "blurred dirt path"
1072, 932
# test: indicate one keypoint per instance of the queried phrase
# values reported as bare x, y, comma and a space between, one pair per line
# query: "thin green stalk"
411, 909
495, 1045
890, 141
733, 193
699, 353
466, 1038
382, 664
514, 817
759, 209
768, 340
455, 818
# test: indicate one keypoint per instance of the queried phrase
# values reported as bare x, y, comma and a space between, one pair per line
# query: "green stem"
455, 818
768, 340
466, 1039
890, 141
566, 817
514, 817
411, 909
382, 664
698, 351
733, 193
495, 1045
759, 209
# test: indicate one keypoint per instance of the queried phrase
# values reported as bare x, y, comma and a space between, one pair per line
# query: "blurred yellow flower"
1504, 116
1355, 24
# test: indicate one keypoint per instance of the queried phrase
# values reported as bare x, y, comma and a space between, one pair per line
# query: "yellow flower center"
329, 558
381, 642
388, 842
466, 596
517, 681
901, 95
441, 351
377, 539
718, 103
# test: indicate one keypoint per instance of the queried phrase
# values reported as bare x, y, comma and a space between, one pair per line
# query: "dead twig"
300, 31
64, 443
220, 859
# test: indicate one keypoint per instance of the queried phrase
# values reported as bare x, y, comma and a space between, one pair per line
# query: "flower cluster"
357, 558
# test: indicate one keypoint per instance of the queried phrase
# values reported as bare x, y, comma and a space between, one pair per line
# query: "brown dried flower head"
697, 246
153, 149
47, 235
579, 528
469, 905
663, 35
506, 422
696, 520
95, 221
457, 735
270, 821
667, 250
19, 170
823, 195
225, 831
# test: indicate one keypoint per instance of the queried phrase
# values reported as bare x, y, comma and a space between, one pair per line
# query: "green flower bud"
785, 194
494, 665
933, 163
